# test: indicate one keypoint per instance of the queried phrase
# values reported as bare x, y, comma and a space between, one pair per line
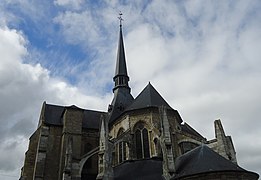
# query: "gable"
149, 97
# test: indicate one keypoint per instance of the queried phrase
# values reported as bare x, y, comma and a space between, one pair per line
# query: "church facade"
137, 138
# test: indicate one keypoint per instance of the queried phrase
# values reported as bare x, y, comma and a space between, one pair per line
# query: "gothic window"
187, 146
142, 142
138, 144
146, 148
121, 148
120, 145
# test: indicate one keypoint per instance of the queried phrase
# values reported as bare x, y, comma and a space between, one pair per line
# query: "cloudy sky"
204, 57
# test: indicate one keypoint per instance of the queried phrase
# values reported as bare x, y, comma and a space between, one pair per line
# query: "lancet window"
142, 142
121, 148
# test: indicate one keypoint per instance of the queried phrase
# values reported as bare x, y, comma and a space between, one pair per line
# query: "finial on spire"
120, 18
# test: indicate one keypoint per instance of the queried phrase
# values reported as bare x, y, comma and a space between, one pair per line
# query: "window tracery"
141, 141
121, 148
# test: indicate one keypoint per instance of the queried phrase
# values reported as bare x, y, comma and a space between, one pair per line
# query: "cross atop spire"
121, 78
122, 96
120, 18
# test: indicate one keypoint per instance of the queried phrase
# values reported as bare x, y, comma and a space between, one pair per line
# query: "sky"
203, 57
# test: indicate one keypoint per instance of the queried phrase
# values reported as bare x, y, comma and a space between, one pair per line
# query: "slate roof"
122, 99
149, 97
91, 119
146, 169
188, 129
203, 160
53, 115
121, 68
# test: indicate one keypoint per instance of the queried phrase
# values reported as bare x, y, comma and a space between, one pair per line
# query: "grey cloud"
203, 57
23, 89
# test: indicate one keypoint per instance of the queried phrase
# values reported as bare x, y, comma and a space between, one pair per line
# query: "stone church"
141, 138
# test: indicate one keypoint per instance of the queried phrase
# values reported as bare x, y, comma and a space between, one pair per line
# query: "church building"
137, 138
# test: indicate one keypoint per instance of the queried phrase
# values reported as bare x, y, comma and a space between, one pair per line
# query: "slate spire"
122, 96
121, 77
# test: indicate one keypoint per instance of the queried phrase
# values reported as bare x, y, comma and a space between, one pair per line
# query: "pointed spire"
122, 96
121, 77
121, 68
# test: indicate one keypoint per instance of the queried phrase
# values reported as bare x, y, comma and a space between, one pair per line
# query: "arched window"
121, 148
142, 142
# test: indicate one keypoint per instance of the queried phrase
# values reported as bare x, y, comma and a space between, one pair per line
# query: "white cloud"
23, 89
73, 4
79, 27
207, 71
204, 59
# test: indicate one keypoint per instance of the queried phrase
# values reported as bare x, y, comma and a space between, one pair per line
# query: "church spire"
122, 96
121, 77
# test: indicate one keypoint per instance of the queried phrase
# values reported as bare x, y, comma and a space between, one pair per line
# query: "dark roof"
146, 169
121, 68
91, 119
122, 99
203, 160
149, 97
53, 116
188, 129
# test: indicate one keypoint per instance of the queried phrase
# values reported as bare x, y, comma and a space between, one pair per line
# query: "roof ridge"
203, 159
148, 97
150, 92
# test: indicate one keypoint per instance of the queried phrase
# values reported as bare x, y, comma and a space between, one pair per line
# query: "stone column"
41, 153
67, 173
105, 170
71, 143
225, 145
166, 145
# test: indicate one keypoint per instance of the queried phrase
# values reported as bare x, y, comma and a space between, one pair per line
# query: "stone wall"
53, 153
222, 144
90, 140
30, 155
71, 141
